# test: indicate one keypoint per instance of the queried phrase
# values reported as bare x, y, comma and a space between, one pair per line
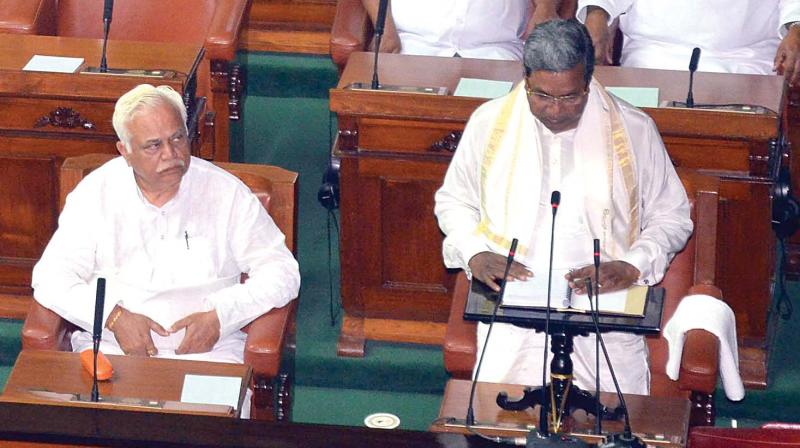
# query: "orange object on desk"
104, 369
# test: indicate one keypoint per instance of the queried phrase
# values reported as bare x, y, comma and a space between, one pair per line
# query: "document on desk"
637, 96
533, 294
482, 88
56, 64
207, 389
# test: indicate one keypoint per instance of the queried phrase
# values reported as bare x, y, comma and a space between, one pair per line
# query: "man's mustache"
178, 163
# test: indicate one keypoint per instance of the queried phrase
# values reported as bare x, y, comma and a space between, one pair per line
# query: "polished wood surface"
289, 26
134, 378
395, 149
660, 421
47, 117
26, 425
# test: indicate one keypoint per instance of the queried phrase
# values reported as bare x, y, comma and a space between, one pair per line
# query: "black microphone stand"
97, 333
626, 439
380, 24
103, 61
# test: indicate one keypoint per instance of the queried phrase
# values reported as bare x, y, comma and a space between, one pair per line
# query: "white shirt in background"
484, 29
735, 36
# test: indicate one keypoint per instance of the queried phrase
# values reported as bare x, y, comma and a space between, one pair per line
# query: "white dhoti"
514, 356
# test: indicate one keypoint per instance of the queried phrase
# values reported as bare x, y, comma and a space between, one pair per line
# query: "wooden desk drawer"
42, 115
405, 136
719, 155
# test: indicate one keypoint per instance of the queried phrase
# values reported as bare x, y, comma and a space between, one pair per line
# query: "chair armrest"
265, 340
349, 32
223, 34
28, 17
44, 330
783, 426
460, 344
764, 437
700, 360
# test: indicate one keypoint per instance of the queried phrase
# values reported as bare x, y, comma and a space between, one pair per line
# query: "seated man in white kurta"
559, 130
743, 36
171, 234
484, 29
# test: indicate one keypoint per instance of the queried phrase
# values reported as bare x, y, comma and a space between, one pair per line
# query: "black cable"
783, 303
334, 311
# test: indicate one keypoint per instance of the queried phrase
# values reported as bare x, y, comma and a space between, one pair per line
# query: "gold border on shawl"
492, 147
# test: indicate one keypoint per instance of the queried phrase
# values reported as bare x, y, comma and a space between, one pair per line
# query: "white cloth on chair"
704, 312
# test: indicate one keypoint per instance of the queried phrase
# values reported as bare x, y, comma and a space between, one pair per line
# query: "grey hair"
557, 46
141, 96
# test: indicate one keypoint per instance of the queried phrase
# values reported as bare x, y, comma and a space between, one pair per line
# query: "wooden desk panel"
395, 149
134, 378
46, 117
662, 421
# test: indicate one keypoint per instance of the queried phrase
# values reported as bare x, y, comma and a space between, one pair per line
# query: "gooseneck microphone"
692, 68
97, 332
509, 260
599, 419
626, 439
544, 430
380, 24
108, 9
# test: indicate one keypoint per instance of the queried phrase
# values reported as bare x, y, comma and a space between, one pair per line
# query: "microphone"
626, 439
380, 23
509, 260
108, 8
692, 68
97, 331
544, 430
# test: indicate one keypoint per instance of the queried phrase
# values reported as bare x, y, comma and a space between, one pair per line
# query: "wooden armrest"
44, 330
700, 360
223, 36
349, 32
460, 342
783, 435
28, 17
265, 340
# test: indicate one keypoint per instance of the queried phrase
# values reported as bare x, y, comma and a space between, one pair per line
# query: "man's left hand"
202, 332
614, 276
787, 59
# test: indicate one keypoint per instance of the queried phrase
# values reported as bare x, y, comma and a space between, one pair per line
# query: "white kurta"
514, 355
166, 262
485, 29
740, 36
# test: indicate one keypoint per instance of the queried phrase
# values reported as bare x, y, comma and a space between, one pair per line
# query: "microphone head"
596, 252
695, 59
98, 308
555, 198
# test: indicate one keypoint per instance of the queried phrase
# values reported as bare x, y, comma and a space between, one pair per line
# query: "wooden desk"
134, 378
659, 421
395, 149
28, 426
46, 117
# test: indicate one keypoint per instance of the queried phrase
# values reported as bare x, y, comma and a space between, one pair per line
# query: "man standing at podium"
171, 234
559, 130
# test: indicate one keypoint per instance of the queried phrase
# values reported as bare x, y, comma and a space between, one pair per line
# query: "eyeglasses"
570, 100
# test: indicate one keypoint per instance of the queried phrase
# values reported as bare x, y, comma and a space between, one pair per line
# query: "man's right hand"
597, 25
489, 267
132, 332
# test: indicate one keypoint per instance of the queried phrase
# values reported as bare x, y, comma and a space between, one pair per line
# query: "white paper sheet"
57, 64
206, 389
